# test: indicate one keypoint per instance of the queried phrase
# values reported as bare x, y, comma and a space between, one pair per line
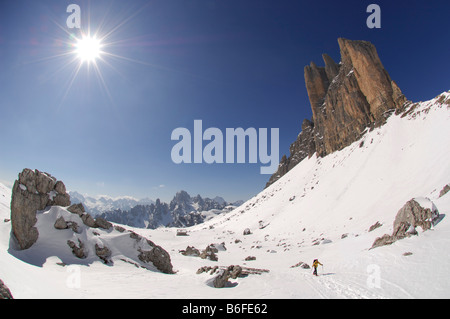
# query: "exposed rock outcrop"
221, 280
71, 233
77, 250
444, 191
346, 99
418, 212
224, 273
346, 102
210, 252
158, 257
104, 253
303, 147
33, 191
4, 291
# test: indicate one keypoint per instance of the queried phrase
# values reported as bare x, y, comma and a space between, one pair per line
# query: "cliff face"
345, 98
303, 147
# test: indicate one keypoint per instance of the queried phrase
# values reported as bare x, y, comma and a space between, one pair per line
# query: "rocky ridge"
346, 99
40, 203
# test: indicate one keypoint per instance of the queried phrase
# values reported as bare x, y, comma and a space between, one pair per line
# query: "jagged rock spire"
345, 99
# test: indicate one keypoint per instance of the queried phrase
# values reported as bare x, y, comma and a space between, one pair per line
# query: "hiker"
316, 264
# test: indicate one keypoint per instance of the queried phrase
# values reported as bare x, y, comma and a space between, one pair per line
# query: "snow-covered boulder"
45, 225
64, 234
417, 212
33, 191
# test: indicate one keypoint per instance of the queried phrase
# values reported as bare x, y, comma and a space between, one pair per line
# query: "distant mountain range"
100, 204
182, 211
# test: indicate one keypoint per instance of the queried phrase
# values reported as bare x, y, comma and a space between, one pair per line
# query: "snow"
318, 201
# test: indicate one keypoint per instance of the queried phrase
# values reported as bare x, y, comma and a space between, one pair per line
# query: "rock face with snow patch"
303, 147
418, 212
345, 98
40, 203
33, 191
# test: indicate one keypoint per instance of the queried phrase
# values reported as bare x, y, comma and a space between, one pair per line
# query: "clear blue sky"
230, 63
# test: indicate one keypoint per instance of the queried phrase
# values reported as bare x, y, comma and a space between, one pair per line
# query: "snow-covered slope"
323, 208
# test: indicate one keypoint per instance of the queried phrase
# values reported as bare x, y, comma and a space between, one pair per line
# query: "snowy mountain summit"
182, 211
100, 204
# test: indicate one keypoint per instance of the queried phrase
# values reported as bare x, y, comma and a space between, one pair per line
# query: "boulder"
444, 191
33, 191
209, 253
78, 251
104, 253
190, 251
221, 279
103, 223
235, 271
159, 257
88, 220
74, 226
375, 226
77, 209
417, 212
60, 223
4, 291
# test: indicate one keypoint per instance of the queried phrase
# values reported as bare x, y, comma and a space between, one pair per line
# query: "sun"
88, 49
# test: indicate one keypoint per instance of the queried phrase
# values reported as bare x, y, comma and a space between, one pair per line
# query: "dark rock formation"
78, 251
221, 280
158, 257
209, 253
33, 191
104, 253
345, 98
303, 147
346, 102
190, 251
444, 191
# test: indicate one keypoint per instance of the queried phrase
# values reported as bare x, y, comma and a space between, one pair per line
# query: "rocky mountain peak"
345, 98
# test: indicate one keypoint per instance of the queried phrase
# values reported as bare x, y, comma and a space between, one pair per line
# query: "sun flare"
88, 49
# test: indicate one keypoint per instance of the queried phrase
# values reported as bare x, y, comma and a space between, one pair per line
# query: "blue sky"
230, 63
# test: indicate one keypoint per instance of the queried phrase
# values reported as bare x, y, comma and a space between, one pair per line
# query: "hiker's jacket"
316, 264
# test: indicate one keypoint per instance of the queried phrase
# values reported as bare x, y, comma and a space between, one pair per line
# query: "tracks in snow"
331, 285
